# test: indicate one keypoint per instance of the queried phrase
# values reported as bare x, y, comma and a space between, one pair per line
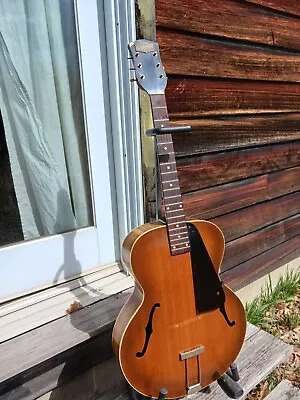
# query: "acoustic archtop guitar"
182, 327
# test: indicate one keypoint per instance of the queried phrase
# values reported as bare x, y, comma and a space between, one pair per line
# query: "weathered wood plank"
261, 353
38, 314
210, 135
60, 369
32, 348
280, 5
284, 391
222, 199
193, 56
261, 265
250, 219
244, 21
253, 244
199, 172
197, 97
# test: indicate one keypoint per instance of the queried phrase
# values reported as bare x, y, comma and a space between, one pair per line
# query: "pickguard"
209, 293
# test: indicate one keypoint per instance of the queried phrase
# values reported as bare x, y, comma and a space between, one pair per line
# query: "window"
70, 134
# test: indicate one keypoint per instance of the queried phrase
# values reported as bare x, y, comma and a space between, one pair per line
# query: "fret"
174, 211
172, 180
170, 197
181, 239
177, 229
180, 248
172, 189
177, 216
175, 223
177, 234
173, 204
171, 211
161, 119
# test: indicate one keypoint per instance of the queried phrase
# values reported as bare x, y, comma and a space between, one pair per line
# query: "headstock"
150, 73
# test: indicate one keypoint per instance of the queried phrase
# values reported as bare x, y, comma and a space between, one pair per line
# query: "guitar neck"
174, 212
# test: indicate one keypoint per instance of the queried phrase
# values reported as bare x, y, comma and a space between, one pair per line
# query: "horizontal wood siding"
234, 76
235, 20
211, 135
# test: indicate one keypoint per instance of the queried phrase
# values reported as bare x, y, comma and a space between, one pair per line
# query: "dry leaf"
75, 306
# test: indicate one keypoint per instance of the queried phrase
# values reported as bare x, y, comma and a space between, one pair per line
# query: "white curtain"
40, 101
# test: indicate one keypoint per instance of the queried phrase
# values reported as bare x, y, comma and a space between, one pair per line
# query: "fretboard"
171, 193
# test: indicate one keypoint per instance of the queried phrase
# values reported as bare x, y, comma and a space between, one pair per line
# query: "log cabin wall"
234, 75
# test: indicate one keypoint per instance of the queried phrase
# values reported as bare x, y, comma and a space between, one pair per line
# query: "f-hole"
149, 331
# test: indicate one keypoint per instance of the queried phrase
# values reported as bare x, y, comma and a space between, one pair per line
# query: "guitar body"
165, 319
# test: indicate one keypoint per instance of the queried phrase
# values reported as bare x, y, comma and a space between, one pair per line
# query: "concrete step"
284, 391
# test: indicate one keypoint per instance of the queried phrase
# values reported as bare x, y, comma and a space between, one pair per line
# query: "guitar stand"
227, 382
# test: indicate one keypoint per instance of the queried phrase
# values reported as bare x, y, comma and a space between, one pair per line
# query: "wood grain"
211, 135
244, 21
259, 266
45, 377
249, 246
284, 391
196, 97
193, 56
246, 220
280, 5
222, 199
25, 352
199, 172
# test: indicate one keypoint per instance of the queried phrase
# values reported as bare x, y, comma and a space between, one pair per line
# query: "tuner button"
139, 65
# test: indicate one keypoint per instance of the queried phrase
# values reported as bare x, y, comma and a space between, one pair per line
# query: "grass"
284, 291
276, 310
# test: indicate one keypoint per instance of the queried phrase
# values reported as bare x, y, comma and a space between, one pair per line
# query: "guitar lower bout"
168, 318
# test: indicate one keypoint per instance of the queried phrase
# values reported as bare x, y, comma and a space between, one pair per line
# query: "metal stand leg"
134, 395
206, 390
228, 383
162, 394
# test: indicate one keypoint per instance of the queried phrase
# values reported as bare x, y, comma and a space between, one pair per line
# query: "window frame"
116, 197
